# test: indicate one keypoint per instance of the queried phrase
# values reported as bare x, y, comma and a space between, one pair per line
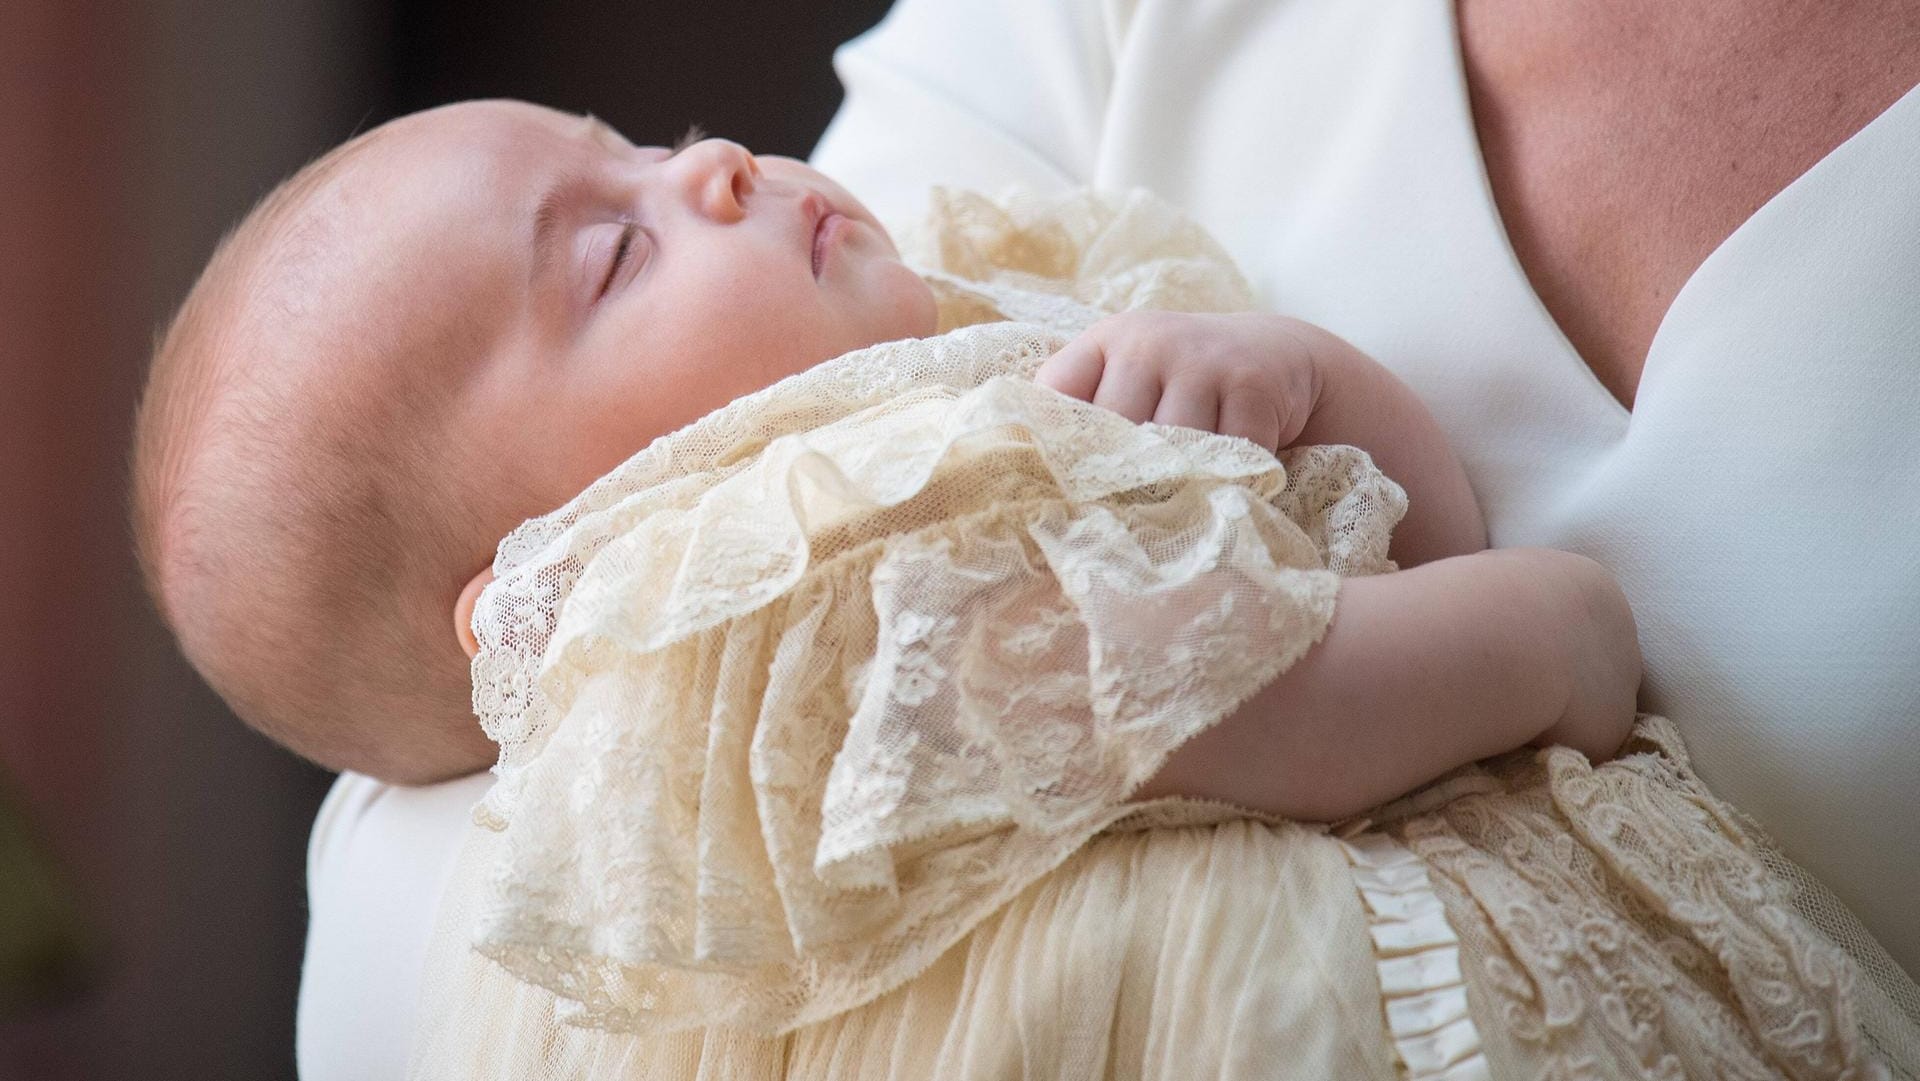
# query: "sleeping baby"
882, 604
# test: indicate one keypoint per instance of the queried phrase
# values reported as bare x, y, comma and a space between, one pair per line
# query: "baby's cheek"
902, 306
924, 312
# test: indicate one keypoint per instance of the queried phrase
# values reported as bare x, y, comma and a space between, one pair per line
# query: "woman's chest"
1332, 149
1624, 143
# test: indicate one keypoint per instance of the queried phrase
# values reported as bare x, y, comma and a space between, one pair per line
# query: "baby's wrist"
1603, 662
1343, 381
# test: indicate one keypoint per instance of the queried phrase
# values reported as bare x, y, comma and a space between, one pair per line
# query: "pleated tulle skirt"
1146, 956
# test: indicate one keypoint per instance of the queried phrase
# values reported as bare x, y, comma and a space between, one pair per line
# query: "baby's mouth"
827, 224
824, 233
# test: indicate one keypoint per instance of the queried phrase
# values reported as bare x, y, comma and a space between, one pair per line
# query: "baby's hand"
1248, 374
1278, 382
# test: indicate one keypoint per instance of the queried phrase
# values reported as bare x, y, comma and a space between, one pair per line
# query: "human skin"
629, 290
596, 278
1469, 654
674, 284
1279, 382
506, 219
1609, 170
1625, 141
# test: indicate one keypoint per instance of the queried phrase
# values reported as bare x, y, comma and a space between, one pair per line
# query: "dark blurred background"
152, 850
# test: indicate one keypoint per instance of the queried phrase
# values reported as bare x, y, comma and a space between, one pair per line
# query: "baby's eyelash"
621, 252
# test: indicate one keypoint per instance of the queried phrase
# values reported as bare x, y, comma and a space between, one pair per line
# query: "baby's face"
575, 296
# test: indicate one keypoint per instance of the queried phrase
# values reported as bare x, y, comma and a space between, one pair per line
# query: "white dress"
1329, 144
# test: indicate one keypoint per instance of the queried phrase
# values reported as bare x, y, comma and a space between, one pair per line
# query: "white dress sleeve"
979, 94
377, 864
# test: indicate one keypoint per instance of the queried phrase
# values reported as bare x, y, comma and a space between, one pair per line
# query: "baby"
466, 317
441, 328
458, 320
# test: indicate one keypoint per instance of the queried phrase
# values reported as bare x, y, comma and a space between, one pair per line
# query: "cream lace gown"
818, 719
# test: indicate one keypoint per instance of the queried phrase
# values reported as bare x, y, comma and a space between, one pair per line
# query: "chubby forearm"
1422, 671
1362, 404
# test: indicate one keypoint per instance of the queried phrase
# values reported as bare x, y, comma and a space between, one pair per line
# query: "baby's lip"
815, 209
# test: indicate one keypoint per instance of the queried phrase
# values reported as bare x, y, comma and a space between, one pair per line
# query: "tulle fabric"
1144, 955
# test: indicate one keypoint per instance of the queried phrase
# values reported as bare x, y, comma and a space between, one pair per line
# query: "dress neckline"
1516, 271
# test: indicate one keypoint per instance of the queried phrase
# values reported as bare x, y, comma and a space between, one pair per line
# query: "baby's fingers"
1188, 403
1075, 370
1083, 370
1252, 417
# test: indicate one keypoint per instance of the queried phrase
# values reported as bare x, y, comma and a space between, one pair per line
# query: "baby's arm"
1468, 653
1422, 671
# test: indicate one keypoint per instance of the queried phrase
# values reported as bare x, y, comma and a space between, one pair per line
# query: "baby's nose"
719, 176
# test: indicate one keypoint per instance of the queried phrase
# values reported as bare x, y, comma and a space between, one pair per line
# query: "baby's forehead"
416, 215
394, 265
478, 148
441, 167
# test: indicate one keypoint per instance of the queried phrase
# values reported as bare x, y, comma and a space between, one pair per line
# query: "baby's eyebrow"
549, 215
550, 212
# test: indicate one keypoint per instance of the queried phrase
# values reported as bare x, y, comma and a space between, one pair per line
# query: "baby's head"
448, 325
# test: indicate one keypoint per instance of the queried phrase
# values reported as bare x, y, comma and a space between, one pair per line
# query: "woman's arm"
1422, 671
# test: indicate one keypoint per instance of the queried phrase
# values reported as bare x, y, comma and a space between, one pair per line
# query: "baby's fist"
1248, 374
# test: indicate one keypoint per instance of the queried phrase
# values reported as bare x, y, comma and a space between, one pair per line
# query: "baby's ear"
463, 610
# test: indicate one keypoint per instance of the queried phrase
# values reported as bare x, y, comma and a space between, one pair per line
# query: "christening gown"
818, 721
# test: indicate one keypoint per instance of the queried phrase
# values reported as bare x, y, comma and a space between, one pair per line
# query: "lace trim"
1423, 993
1064, 259
539, 564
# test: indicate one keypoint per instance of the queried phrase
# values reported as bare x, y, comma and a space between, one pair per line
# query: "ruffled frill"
538, 563
1063, 260
822, 718
1422, 990
1614, 920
